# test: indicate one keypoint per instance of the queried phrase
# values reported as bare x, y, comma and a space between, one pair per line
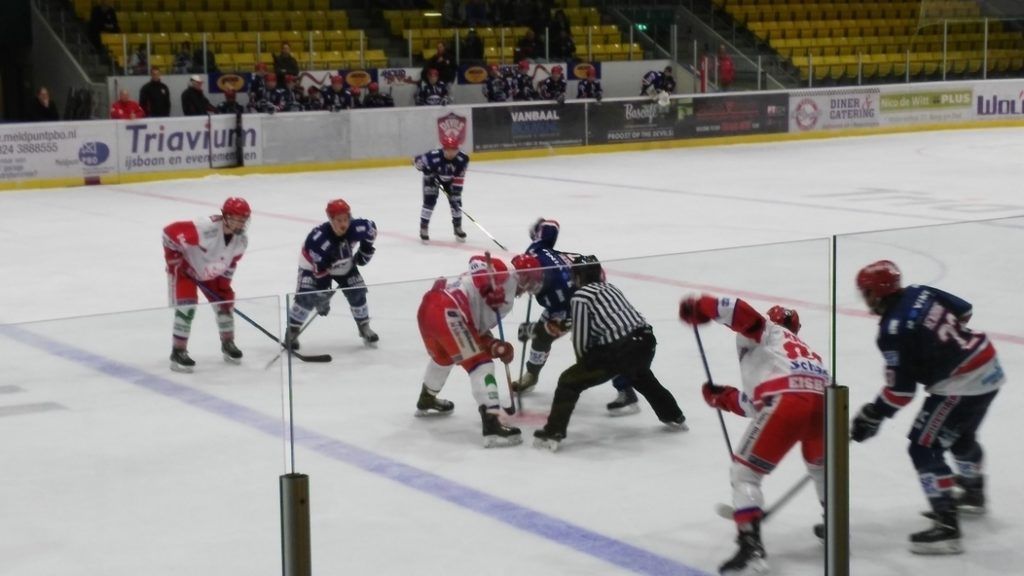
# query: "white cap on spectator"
196, 78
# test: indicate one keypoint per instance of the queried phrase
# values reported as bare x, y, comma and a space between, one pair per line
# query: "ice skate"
625, 404
749, 560
460, 234
548, 440
232, 354
367, 334
291, 341
942, 538
970, 499
819, 531
181, 362
430, 405
424, 235
496, 434
678, 424
526, 384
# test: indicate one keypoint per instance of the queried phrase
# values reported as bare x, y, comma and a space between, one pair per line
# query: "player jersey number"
796, 350
951, 331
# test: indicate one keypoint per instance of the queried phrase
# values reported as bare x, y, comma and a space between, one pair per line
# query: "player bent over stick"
784, 395
923, 336
455, 320
207, 251
334, 251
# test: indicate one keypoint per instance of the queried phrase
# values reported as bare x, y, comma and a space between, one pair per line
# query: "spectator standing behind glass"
125, 108
183, 59
199, 57
442, 63
560, 23
43, 109
285, 63
139, 60
155, 97
563, 47
528, 48
472, 48
726, 69
103, 20
193, 101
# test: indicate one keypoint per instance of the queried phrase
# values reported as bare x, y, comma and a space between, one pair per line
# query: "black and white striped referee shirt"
601, 315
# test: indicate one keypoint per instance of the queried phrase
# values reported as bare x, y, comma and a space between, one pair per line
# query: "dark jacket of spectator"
155, 97
194, 102
43, 109
442, 63
528, 47
103, 20
285, 63
472, 48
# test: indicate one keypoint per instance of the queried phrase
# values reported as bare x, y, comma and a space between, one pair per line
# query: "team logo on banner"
452, 125
806, 114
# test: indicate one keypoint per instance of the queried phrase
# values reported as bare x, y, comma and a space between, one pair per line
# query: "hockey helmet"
337, 79
786, 317
524, 65
289, 78
529, 275
450, 142
270, 78
586, 270
432, 73
878, 280
374, 87
338, 206
556, 70
591, 72
237, 207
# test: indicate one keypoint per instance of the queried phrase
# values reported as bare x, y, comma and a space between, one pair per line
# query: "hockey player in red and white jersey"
203, 254
783, 393
455, 320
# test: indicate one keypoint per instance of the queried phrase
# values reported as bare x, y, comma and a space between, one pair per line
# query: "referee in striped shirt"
610, 338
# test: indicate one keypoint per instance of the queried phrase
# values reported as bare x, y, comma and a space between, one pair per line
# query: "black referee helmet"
586, 269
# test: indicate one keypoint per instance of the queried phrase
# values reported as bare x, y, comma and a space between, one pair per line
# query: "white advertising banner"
85, 150
833, 109
999, 101
172, 144
387, 133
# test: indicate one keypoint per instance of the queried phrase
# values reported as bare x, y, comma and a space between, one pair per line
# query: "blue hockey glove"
865, 423
323, 305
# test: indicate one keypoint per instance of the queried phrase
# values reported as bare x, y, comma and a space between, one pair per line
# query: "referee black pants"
630, 357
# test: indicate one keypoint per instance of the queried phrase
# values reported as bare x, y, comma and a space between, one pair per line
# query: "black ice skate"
528, 382
460, 234
496, 434
430, 405
942, 538
625, 404
232, 354
819, 531
549, 440
749, 559
181, 361
424, 235
291, 341
367, 334
677, 423
971, 498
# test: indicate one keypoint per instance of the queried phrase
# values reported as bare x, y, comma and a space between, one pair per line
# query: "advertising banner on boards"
58, 150
528, 126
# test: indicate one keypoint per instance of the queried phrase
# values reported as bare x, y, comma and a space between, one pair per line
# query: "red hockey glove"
723, 398
501, 350
697, 309
494, 296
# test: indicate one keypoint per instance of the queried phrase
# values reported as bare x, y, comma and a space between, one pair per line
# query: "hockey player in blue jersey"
654, 82
334, 251
590, 87
443, 169
924, 338
553, 296
553, 87
432, 91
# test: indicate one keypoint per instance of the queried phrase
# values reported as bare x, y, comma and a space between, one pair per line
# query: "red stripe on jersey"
753, 467
945, 482
458, 180
978, 360
896, 399
747, 515
747, 321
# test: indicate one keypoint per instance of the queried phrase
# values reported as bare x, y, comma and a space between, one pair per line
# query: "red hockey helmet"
786, 317
433, 73
270, 77
374, 87
529, 275
338, 206
235, 206
337, 79
450, 142
556, 70
591, 72
289, 78
878, 280
524, 65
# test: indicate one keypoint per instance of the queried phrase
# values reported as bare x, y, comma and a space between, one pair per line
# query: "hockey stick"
511, 409
305, 358
726, 511
707, 372
473, 220
522, 359
291, 340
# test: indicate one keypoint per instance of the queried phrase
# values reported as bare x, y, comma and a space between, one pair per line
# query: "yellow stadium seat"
217, 5
337, 19
244, 61
252, 22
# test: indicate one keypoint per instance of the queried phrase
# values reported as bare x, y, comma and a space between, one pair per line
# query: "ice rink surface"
114, 465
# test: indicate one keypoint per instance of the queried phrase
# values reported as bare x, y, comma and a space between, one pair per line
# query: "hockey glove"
556, 328
694, 309
501, 350
525, 331
323, 305
364, 255
865, 423
723, 398
494, 296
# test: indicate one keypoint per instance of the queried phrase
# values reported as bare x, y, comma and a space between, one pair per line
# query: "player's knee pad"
926, 458
746, 487
541, 339
429, 196
356, 296
309, 300
966, 448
